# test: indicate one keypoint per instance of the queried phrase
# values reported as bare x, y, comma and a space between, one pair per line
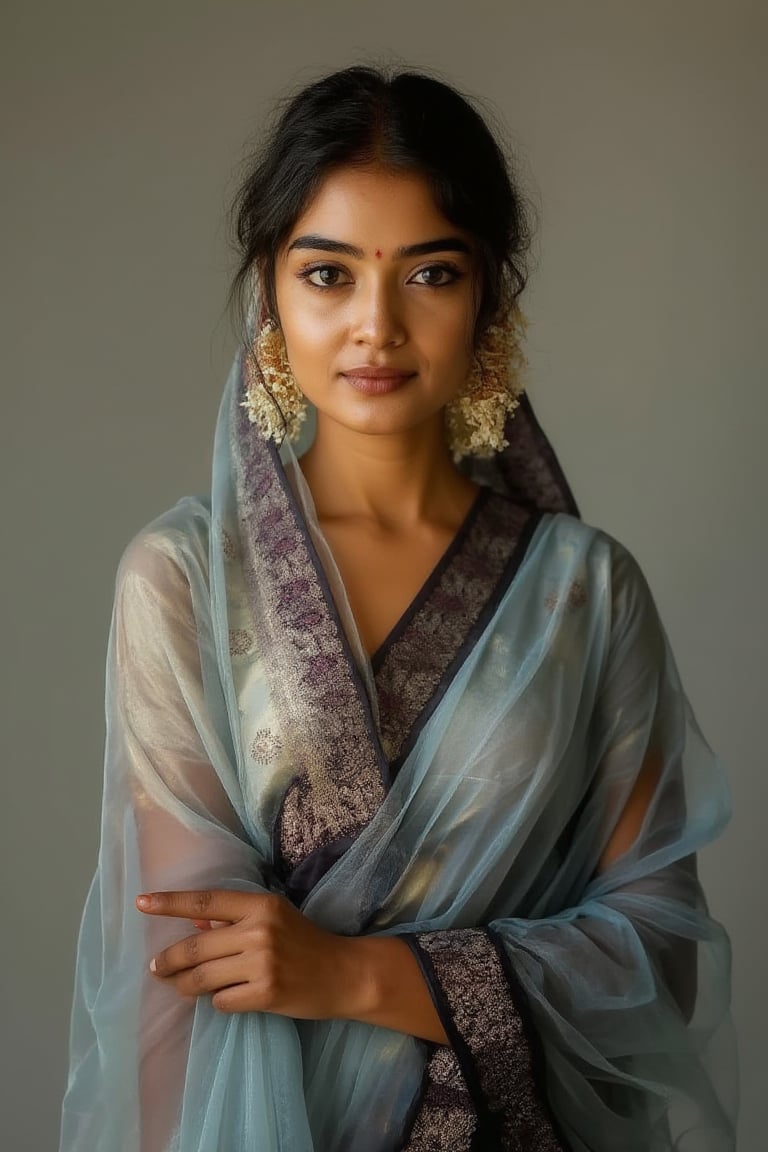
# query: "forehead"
373, 208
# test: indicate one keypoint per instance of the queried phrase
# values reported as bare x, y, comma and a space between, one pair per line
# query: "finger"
196, 949
214, 904
235, 998
208, 978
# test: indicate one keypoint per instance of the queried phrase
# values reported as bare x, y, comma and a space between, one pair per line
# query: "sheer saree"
459, 789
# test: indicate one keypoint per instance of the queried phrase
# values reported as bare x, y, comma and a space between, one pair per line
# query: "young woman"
403, 794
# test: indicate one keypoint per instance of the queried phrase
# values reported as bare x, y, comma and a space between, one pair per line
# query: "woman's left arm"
266, 956
592, 1027
602, 1023
271, 958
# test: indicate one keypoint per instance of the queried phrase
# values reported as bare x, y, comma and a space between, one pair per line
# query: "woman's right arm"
188, 832
171, 819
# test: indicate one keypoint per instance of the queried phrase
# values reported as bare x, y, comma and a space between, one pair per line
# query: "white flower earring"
475, 419
275, 403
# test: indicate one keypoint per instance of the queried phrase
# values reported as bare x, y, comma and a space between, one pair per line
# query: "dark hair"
409, 122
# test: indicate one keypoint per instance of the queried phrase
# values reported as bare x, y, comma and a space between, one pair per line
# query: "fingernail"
144, 901
153, 965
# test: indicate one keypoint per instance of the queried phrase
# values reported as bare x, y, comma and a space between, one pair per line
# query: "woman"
403, 794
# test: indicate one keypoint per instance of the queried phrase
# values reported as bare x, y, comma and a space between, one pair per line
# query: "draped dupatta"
459, 790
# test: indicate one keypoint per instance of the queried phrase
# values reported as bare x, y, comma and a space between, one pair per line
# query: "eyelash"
455, 273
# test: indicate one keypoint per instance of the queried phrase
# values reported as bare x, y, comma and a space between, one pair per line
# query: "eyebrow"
425, 248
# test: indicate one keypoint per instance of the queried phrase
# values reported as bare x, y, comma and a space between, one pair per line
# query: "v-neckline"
341, 732
404, 679
377, 657
330, 707
446, 620
314, 530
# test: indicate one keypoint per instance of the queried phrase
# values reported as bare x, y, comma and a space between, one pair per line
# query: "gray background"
641, 128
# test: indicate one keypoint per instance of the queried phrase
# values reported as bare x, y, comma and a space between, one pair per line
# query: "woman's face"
377, 298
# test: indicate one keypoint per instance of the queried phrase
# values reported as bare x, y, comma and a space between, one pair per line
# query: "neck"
395, 480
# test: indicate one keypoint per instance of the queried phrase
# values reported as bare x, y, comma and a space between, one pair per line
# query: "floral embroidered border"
471, 990
320, 703
319, 700
455, 606
445, 1120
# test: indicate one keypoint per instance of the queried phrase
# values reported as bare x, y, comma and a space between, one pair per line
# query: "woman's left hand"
267, 957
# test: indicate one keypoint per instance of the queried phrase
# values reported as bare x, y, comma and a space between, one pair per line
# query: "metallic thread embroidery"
240, 641
446, 1119
528, 468
319, 706
265, 746
417, 661
228, 545
474, 987
576, 597
316, 700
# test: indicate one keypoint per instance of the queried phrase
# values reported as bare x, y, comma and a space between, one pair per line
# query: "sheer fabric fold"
599, 973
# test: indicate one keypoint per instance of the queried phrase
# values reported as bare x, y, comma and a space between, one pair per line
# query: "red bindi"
378, 253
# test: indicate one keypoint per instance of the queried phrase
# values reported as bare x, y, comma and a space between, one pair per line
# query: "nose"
377, 319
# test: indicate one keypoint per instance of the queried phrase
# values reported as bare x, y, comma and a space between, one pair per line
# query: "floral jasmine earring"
275, 403
475, 419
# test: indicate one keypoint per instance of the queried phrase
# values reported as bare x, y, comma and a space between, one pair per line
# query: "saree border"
442, 1117
486, 1019
314, 681
403, 625
320, 700
511, 527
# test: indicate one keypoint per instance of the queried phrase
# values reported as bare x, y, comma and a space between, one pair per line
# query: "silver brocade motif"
240, 642
319, 705
413, 667
474, 987
446, 1120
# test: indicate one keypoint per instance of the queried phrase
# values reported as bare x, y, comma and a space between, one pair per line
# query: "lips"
376, 381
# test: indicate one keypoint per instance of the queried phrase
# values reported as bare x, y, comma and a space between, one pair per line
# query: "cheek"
455, 372
450, 350
446, 326
311, 346
308, 324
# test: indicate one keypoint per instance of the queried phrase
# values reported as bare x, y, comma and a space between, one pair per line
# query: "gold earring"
476, 417
275, 403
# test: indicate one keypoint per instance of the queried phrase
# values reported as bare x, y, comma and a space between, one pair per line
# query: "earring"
275, 403
476, 417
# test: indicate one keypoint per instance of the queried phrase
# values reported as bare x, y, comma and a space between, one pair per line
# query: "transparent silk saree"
459, 789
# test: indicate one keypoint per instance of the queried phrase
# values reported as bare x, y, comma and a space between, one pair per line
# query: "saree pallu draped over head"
459, 789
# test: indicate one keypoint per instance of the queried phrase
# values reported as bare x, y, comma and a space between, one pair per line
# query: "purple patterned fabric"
445, 1119
474, 997
313, 681
528, 470
468, 1099
418, 659
315, 685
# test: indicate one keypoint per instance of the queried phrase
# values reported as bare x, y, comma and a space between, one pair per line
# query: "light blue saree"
459, 789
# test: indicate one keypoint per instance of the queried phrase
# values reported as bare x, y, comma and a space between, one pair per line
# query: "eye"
438, 275
323, 276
